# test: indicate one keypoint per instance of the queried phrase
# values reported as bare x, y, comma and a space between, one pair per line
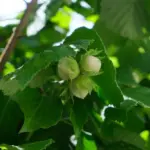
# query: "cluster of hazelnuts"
78, 75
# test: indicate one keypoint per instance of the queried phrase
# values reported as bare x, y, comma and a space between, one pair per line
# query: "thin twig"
17, 32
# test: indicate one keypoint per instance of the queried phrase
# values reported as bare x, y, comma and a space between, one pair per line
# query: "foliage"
109, 110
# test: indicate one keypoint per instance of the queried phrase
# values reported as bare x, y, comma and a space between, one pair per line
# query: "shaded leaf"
60, 133
113, 132
41, 77
128, 104
11, 119
127, 17
141, 62
133, 138
42, 40
112, 39
115, 114
39, 111
122, 146
79, 115
139, 94
135, 120
9, 85
125, 76
40, 145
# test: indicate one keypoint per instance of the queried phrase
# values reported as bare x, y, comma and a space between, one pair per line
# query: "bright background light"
10, 8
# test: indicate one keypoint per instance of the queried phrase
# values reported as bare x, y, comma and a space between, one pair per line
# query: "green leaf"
127, 53
40, 145
39, 111
135, 120
115, 114
141, 62
127, 17
122, 146
138, 94
82, 44
107, 80
113, 132
138, 57
41, 61
41, 40
23, 76
60, 133
86, 142
125, 76
79, 115
43, 76
9, 85
133, 138
11, 119
131, 119
113, 39
128, 104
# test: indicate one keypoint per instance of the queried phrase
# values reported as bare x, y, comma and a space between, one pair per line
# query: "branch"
17, 32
